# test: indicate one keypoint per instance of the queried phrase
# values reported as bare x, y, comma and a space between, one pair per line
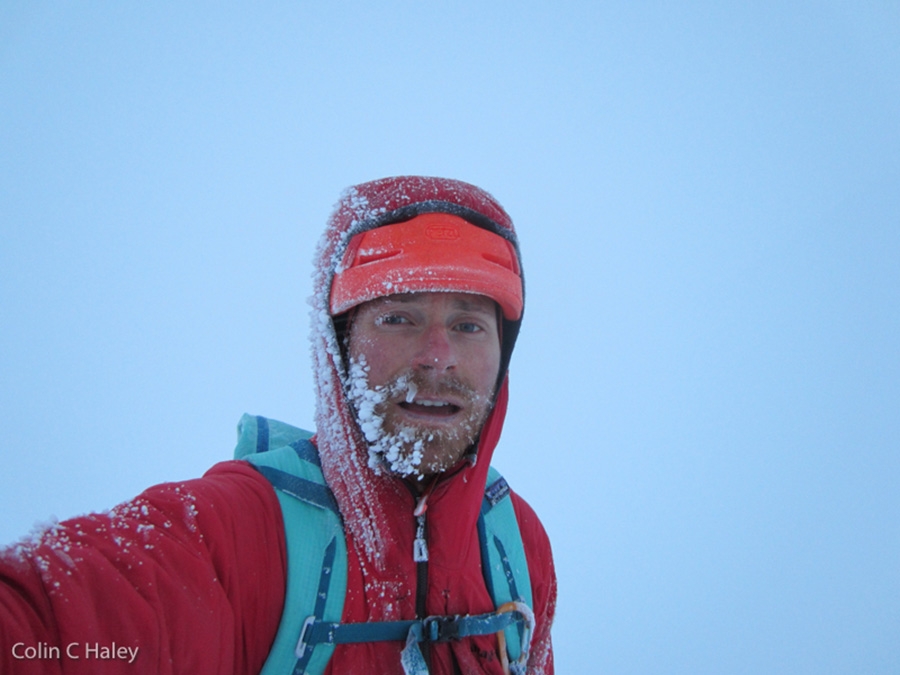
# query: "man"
417, 303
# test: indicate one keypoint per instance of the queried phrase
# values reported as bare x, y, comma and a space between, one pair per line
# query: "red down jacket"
189, 577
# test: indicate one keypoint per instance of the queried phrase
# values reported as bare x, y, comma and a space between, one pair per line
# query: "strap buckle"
440, 628
300, 649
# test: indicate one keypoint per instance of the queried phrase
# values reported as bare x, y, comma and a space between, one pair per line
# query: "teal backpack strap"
316, 550
317, 565
505, 566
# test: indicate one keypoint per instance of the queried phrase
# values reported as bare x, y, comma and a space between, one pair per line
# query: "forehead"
466, 302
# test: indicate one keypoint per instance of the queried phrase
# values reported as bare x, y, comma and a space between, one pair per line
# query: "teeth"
434, 404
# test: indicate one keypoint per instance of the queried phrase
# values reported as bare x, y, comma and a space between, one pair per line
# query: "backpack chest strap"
413, 632
430, 629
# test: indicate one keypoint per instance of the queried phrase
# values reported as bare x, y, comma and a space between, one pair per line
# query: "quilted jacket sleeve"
543, 585
186, 578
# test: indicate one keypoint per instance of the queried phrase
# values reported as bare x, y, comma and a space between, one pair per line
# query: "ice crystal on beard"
401, 450
365, 400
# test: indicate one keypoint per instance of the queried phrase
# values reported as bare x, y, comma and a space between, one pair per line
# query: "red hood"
369, 501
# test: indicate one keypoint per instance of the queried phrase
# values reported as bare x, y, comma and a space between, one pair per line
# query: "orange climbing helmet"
431, 252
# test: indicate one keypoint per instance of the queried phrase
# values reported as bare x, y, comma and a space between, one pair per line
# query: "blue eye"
468, 327
391, 320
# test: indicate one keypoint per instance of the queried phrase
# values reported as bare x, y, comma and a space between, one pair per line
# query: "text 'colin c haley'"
75, 651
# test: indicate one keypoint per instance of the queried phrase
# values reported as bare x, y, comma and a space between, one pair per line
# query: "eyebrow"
460, 302
466, 305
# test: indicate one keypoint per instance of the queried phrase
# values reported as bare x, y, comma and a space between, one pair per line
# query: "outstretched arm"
186, 578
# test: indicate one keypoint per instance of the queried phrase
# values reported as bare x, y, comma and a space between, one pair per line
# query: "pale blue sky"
705, 403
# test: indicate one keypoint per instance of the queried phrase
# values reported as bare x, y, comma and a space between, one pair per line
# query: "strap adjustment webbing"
430, 629
414, 631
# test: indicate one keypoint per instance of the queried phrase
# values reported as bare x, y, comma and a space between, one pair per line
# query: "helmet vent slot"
374, 255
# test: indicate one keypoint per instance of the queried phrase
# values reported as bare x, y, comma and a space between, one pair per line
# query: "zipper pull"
420, 547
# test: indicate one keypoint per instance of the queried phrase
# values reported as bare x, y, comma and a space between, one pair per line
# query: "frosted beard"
405, 449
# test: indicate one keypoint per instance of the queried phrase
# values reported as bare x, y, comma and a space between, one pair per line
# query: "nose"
436, 352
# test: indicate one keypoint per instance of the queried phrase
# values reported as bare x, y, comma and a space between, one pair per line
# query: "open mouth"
430, 409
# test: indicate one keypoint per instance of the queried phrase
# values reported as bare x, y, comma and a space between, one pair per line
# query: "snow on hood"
364, 496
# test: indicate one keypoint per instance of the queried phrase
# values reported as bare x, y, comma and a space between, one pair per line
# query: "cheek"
363, 343
487, 366
379, 357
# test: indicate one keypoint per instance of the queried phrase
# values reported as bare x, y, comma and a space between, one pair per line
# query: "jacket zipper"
420, 557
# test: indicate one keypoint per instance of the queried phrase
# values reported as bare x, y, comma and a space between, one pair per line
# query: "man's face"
422, 372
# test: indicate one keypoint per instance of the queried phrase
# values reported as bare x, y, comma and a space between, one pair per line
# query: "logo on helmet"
443, 231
